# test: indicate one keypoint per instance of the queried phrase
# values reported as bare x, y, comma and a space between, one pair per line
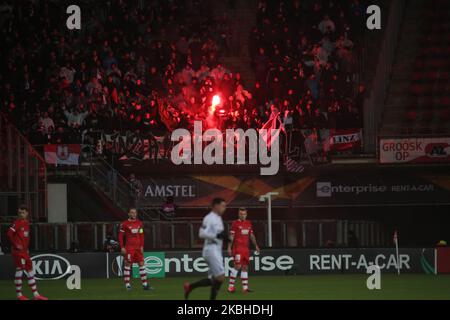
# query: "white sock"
126, 276
233, 275
18, 282
32, 282
244, 278
143, 275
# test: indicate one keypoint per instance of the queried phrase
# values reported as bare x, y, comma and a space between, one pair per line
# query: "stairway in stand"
243, 20
418, 100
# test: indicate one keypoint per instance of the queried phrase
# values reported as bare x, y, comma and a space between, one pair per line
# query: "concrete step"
398, 87
237, 59
389, 131
403, 69
244, 18
397, 100
393, 127
401, 76
404, 61
395, 109
396, 106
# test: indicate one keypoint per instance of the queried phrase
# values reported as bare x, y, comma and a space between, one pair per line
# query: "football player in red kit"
238, 247
131, 239
19, 236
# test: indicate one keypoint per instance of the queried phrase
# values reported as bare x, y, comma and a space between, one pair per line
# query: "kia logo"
50, 266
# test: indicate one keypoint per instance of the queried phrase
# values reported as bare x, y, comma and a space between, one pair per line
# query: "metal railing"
100, 174
123, 146
103, 176
23, 173
184, 234
96, 170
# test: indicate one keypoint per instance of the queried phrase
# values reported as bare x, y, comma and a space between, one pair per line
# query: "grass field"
321, 287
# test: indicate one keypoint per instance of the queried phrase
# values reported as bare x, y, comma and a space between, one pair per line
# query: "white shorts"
214, 259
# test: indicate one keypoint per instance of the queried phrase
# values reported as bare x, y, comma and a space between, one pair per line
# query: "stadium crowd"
305, 60
157, 67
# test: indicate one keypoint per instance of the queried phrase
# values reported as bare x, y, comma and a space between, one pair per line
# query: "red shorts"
134, 255
22, 260
241, 256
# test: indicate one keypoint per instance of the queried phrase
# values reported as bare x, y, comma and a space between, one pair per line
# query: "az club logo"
323, 189
438, 150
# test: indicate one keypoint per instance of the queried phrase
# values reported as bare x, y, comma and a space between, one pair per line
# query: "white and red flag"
62, 154
266, 131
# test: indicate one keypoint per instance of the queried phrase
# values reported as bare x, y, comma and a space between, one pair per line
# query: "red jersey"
133, 231
19, 235
241, 230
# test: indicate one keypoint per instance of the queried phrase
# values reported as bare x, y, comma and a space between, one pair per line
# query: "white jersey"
212, 226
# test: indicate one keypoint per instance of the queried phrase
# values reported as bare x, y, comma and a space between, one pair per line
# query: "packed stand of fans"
123, 68
305, 61
157, 68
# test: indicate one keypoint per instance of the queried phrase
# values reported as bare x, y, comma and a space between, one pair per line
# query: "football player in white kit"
212, 231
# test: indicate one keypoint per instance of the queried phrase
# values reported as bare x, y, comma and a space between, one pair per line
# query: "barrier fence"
23, 174
299, 144
168, 235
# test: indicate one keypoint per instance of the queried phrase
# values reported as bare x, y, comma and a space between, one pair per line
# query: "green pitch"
280, 287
